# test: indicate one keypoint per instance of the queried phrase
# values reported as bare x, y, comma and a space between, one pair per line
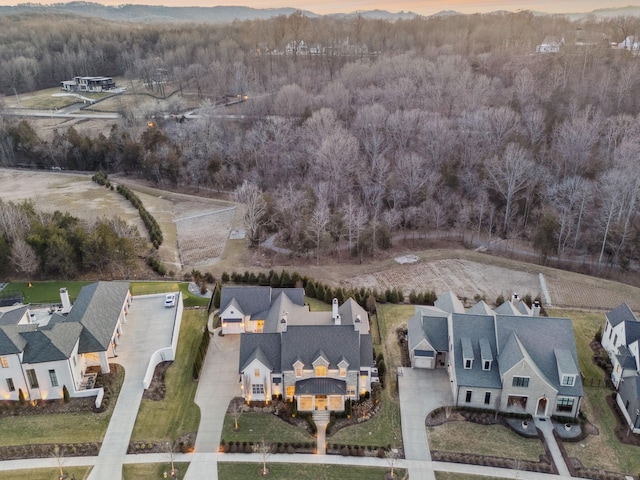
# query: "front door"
321, 402
541, 411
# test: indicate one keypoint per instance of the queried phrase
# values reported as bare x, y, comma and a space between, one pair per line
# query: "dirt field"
196, 232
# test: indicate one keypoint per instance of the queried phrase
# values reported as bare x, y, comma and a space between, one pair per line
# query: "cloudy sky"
423, 7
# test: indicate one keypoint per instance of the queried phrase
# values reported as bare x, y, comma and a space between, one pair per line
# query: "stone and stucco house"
509, 359
320, 359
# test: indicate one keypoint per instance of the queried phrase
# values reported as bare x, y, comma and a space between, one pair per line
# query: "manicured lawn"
316, 305
177, 414
57, 428
148, 288
603, 450
81, 473
46, 292
152, 470
255, 427
288, 471
494, 440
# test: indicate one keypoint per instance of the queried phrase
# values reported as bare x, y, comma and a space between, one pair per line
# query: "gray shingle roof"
474, 327
335, 341
541, 337
51, 343
565, 362
11, 342
622, 313
321, 386
349, 310
282, 303
433, 329
449, 303
366, 351
251, 300
98, 308
13, 316
510, 354
481, 308
631, 332
507, 308
264, 346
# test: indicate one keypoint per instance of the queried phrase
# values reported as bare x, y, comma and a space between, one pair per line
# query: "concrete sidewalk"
149, 327
546, 427
218, 385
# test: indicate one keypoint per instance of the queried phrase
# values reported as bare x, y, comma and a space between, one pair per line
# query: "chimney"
535, 311
283, 322
334, 312
515, 298
66, 303
357, 322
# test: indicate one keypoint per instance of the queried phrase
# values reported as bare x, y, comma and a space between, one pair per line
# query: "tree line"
446, 124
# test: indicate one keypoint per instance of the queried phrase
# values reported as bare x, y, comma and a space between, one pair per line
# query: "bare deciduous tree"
255, 209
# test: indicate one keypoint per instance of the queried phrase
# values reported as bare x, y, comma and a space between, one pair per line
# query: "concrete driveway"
421, 391
218, 385
149, 327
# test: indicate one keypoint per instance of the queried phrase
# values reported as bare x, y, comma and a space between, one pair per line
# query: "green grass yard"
177, 414
45, 292
137, 471
287, 471
255, 427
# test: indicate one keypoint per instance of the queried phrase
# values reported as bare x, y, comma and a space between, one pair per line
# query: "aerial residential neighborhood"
320, 241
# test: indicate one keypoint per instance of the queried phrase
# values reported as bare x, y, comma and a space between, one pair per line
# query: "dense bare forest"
368, 127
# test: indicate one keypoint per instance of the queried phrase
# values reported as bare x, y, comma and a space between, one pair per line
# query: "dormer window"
568, 380
343, 371
468, 363
486, 365
467, 352
297, 368
321, 371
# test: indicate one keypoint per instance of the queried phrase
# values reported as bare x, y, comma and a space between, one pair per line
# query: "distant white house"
631, 43
549, 45
88, 84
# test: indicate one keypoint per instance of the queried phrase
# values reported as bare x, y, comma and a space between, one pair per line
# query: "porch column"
104, 362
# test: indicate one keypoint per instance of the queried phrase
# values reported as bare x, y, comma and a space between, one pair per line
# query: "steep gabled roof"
449, 303
336, 341
366, 351
349, 310
262, 346
11, 342
481, 308
539, 339
622, 313
252, 300
97, 309
49, 344
13, 316
432, 329
507, 308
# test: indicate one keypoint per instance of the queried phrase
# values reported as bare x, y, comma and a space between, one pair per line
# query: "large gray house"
517, 362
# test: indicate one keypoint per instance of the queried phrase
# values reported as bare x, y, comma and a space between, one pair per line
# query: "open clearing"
196, 232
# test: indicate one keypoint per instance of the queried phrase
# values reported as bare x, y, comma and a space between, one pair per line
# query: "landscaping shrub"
152, 226
65, 394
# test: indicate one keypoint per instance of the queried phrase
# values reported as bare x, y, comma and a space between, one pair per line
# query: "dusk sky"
423, 7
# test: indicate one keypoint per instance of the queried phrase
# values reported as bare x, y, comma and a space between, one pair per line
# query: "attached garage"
424, 359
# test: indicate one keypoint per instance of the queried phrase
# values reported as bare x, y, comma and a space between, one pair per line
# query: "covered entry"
321, 394
541, 410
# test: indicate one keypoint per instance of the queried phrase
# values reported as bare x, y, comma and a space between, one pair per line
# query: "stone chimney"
535, 311
66, 303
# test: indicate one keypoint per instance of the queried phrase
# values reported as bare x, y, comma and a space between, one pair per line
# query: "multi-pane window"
10, 385
53, 377
520, 382
298, 370
565, 404
568, 380
321, 371
351, 390
468, 396
258, 389
487, 398
4, 361
33, 380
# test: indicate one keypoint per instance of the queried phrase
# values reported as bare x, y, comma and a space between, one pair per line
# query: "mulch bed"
157, 389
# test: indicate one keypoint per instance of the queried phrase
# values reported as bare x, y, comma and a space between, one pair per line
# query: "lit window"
321, 371
343, 372
520, 382
298, 370
4, 361
291, 391
256, 372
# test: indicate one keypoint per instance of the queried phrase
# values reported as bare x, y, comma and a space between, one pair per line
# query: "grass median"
177, 414
79, 473
152, 470
289, 471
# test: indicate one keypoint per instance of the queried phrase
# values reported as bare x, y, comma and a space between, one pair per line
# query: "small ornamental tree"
21, 397
65, 394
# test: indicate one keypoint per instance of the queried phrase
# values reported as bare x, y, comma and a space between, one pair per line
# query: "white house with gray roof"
319, 358
516, 362
39, 358
621, 340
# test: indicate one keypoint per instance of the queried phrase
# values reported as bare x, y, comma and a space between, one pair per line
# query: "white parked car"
170, 300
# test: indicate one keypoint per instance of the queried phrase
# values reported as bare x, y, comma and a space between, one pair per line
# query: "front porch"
320, 394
